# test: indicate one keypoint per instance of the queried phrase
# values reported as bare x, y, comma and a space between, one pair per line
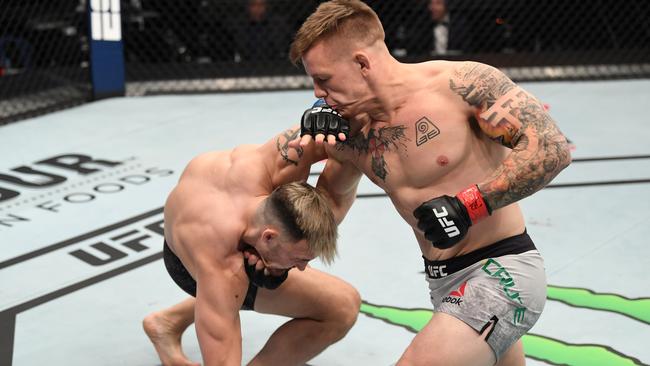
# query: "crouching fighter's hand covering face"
260, 275
323, 122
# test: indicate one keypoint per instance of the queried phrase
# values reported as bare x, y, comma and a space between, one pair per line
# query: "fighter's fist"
261, 278
258, 274
445, 220
321, 119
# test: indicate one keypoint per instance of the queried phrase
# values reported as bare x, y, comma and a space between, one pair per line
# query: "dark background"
44, 44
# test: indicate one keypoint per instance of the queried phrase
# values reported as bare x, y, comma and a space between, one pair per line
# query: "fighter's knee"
350, 304
344, 311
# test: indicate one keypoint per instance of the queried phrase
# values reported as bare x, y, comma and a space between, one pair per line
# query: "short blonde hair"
351, 19
304, 213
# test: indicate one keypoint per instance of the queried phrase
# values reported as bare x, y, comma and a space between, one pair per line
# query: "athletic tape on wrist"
473, 201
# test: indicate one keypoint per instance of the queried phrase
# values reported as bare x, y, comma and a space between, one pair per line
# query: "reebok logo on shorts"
456, 296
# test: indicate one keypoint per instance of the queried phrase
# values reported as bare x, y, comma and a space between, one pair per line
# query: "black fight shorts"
184, 280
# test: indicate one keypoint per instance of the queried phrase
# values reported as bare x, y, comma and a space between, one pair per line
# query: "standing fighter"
229, 205
454, 145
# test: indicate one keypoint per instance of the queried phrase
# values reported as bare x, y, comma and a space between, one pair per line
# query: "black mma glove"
445, 220
259, 279
322, 119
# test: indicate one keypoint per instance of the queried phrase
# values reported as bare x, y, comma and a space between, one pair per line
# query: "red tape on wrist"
473, 201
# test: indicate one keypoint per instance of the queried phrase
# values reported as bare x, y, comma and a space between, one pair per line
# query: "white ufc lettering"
450, 227
105, 20
437, 271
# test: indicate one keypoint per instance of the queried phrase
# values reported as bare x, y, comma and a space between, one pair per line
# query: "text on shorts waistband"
513, 245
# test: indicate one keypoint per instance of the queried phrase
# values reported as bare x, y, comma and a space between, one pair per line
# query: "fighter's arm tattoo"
516, 119
282, 144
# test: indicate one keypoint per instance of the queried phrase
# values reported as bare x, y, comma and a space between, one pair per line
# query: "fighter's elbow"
557, 152
564, 154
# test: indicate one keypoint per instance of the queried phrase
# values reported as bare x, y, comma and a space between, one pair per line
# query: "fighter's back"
216, 188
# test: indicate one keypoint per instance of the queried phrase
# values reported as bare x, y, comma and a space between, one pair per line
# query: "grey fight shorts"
502, 284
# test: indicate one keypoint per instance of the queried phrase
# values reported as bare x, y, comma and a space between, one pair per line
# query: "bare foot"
166, 340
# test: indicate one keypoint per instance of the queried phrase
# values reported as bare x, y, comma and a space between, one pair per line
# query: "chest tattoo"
425, 130
377, 143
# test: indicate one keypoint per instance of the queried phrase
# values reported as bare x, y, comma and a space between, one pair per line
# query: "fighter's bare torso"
430, 146
205, 214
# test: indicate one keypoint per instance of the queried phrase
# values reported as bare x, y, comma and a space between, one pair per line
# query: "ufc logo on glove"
448, 225
445, 220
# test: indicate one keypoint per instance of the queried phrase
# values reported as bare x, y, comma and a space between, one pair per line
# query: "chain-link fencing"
43, 57
203, 45
198, 46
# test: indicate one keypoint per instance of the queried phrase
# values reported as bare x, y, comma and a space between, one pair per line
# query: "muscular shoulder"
198, 190
202, 164
206, 242
478, 84
431, 70
437, 77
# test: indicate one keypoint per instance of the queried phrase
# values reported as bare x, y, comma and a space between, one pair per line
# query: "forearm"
220, 345
540, 154
516, 119
340, 182
216, 314
216, 351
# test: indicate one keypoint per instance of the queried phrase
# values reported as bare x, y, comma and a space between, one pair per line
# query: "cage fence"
199, 46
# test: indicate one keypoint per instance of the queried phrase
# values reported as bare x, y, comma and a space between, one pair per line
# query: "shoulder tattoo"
282, 144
